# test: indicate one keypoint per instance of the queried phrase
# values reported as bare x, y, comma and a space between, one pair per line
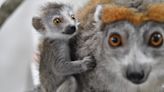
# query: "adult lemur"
127, 42
57, 26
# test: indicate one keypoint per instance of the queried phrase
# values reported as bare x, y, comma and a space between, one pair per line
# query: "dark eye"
73, 17
115, 40
156, 39
57, 21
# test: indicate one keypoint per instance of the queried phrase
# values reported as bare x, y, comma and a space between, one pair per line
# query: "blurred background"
18, 43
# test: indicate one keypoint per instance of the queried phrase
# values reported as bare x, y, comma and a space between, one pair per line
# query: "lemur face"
62, 21
131, 54
134, 56
56, 19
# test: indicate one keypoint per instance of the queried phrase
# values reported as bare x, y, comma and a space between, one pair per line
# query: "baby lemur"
57, 25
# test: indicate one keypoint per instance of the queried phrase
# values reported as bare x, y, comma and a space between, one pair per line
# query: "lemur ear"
97, 14
38, 24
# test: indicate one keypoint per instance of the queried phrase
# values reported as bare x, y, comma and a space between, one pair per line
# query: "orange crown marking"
112, 13
156, 12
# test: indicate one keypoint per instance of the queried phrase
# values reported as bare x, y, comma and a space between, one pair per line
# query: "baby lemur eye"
115, 40
156, 39
57, 21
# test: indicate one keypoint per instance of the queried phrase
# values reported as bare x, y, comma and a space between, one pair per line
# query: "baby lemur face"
56, 19
62, 21
134, 56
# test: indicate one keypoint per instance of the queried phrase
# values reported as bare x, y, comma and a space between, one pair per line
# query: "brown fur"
83, 14
112, 13
154, 12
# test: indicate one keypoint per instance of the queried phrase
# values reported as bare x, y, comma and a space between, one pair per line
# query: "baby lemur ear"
97, 14
38, 24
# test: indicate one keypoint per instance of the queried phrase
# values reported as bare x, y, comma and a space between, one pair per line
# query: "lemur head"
132, 47
56, 19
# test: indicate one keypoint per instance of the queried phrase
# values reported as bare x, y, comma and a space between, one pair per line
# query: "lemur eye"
115, 40
156, 39
57, 21
73, 17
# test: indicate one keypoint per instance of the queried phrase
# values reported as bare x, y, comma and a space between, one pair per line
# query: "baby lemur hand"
88, 63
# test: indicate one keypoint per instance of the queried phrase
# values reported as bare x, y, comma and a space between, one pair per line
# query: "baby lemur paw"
88, 63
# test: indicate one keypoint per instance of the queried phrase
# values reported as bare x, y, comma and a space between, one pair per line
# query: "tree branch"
7, 9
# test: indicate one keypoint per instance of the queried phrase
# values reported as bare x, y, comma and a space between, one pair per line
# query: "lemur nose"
70, 29
137, 73
73, 28
136, 76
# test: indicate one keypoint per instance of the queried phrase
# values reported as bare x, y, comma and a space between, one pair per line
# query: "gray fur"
113, 64
56, 65
65, 88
